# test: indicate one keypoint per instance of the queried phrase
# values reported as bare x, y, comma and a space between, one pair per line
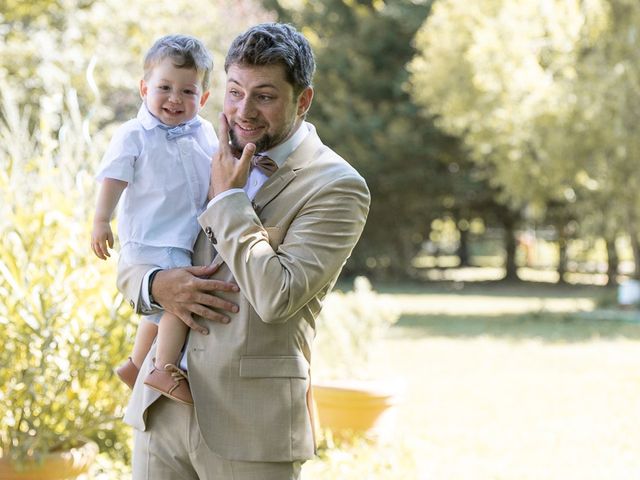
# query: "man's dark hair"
275, 43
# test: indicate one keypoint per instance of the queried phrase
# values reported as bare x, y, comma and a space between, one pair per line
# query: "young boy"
162, 158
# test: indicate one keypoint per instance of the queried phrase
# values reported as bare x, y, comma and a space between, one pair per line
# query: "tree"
363, 110
524, 84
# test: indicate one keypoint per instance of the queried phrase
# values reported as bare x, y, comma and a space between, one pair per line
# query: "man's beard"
263, 144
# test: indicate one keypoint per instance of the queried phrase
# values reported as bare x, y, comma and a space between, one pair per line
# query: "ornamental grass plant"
62, 325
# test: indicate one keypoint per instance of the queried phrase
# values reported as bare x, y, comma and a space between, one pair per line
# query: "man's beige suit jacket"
250, 377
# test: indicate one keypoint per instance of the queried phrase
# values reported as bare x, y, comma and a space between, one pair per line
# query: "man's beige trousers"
172, 448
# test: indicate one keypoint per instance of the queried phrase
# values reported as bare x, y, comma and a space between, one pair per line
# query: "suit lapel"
309, 149
273, 187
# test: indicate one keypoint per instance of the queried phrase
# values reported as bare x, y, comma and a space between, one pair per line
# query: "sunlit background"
497, 278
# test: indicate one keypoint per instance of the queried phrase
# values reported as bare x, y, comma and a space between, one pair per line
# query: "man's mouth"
248, 129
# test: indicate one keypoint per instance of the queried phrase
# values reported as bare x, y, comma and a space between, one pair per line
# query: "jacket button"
131, 303
208, 232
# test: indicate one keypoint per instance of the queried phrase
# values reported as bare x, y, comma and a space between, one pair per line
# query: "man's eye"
265, 98
234, 93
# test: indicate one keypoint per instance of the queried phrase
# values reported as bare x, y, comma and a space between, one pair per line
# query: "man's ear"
143, 88
304, 101
204, 98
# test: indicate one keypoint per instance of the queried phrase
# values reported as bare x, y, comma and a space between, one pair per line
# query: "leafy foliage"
63, 326
349, 326
545, 96
359, 459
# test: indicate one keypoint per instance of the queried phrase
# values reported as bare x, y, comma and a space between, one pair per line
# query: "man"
283, 238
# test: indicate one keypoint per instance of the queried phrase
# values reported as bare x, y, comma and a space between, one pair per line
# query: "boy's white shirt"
168, 180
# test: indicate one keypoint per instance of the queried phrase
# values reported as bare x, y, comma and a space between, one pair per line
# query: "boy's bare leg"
172, 332
128, 371
145, 336
166, 377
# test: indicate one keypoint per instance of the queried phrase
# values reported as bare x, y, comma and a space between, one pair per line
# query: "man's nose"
246, 108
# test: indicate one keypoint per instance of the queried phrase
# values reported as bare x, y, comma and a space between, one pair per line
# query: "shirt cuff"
226, 193
147, 306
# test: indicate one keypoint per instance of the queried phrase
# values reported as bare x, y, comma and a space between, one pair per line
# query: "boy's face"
173, 95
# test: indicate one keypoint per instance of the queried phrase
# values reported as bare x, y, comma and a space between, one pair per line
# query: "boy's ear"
143, 88
204, 98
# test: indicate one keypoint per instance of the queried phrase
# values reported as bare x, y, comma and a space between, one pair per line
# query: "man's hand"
184, 291
228, 172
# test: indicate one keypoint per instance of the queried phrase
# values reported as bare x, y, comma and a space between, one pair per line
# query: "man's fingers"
247, 155
210, 285
192, 324
213, 301
209, 314
203, 271
224, 133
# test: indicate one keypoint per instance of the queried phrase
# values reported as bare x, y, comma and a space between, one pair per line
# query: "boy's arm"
108, 197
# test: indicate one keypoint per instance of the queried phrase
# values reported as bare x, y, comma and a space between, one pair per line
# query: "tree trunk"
635, 248
612, 262
633, 239
562, 256
511, 269
463, 248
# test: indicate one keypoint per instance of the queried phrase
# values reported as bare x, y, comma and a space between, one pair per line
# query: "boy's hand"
100, 238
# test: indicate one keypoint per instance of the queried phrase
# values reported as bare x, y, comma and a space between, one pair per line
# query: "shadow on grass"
499, 288
543, 326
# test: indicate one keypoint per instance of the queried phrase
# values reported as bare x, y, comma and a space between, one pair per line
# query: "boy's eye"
188, 92
163, 87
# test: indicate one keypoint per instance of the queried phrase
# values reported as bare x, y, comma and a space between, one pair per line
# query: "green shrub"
349, 327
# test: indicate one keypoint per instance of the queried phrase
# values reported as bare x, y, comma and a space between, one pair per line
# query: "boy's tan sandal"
171, 382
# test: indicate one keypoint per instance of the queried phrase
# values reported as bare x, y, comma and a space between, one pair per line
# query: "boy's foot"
171, 382
128, 372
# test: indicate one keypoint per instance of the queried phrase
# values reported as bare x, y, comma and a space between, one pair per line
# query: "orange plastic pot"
357, 407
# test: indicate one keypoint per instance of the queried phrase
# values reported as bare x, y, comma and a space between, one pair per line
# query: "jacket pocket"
274, 367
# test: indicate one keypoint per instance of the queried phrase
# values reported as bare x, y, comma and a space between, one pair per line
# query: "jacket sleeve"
129, 283
279, 280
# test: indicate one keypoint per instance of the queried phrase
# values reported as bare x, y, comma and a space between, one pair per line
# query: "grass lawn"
511, 382
503, 382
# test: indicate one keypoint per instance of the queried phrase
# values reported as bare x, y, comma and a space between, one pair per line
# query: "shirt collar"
146, 118
280, 153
